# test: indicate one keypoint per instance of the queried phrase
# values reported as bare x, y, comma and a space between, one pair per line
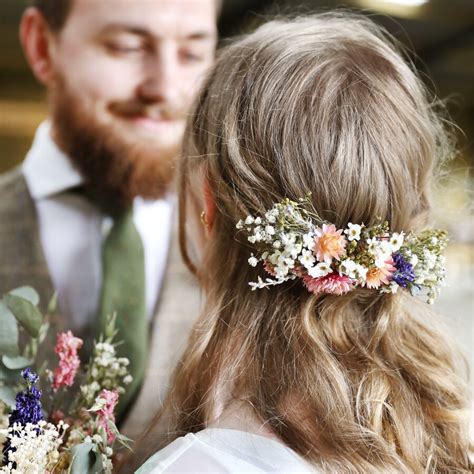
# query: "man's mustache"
152, 111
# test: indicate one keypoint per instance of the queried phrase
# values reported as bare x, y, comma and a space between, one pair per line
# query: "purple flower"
29, 376
404, 273
28, 407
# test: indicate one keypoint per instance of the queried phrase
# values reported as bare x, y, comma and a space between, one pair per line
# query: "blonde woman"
312, 152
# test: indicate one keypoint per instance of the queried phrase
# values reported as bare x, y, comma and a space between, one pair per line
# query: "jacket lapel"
22, 260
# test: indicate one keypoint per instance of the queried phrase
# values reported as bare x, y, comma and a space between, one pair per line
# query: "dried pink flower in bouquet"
66, 348
106, 413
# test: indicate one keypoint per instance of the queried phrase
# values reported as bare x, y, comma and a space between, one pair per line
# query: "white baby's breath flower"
361, 272
258, 221
277, 244
249, 220
240, 224
36, 448
281, 271
413, 260
253, 261
429, 259
259, 234
308, 241
307, 259
293, 250
270, 230
288, 238
353, 231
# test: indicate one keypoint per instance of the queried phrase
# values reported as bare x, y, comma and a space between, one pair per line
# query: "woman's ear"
209, 207
35, 37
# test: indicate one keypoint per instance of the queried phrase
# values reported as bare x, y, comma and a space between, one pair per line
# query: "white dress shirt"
235, 443
72, 230
226, 451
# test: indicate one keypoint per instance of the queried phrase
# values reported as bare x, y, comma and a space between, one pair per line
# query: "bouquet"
60, 418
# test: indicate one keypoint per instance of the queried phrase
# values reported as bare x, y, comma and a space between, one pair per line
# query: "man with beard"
89, 213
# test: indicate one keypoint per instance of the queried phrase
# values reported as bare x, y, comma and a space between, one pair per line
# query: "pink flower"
378, 276
269, 268
329, 243
106, 413
333, 284
66, 347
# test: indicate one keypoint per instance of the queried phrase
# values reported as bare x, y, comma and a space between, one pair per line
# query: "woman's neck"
238, 415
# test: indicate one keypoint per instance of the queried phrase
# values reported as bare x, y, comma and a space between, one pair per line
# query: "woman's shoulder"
225, 451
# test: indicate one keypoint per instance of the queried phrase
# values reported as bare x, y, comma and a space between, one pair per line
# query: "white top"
72, 230
217, 450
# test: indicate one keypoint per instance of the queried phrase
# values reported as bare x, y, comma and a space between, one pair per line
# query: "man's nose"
161, 76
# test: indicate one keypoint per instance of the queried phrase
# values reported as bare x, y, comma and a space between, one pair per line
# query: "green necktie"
123, 293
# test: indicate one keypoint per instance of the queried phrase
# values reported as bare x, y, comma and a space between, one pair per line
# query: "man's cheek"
103, 80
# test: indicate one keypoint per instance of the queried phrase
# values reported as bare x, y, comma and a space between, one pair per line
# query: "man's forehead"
186, 16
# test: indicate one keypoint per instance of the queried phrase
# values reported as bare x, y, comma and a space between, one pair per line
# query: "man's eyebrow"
140, 31
123, 27
199, 35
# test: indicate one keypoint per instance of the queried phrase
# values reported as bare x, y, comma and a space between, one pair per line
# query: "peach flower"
329, 243
380, 276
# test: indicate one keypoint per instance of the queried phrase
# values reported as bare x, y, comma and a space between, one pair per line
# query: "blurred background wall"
439, 32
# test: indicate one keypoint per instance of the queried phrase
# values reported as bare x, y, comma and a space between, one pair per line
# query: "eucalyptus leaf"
15, 363
7, 396
27, 314
27, 293
43, 332
8, 377
85, 460
8, 332
53, 304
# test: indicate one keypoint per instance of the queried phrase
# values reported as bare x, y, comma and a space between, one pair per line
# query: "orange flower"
378, 276
329, 243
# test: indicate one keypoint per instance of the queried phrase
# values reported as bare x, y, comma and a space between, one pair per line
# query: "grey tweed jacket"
21, 256
22, 263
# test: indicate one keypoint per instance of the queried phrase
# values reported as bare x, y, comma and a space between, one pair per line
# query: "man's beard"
116, 168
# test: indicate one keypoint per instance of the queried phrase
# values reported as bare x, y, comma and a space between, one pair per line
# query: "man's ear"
209, 207
36, 37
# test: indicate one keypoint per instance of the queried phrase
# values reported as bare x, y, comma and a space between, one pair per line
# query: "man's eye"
189, 56
124, 49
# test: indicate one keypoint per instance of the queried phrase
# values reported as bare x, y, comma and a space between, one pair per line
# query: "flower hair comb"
293, 242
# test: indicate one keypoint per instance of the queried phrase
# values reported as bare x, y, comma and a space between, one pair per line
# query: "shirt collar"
47, 169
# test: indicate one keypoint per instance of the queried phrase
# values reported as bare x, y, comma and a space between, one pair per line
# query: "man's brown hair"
54, 11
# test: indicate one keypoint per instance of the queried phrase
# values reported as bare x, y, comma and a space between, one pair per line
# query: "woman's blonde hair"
355, 383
